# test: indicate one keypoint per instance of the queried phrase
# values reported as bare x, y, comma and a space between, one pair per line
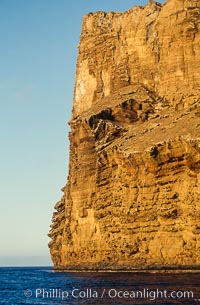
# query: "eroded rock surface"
132, 197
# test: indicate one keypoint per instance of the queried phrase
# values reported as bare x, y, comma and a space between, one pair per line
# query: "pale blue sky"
38, 54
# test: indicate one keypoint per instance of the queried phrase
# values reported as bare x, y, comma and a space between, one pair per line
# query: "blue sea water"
40, 285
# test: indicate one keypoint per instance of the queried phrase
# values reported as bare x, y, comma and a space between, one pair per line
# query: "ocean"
40, 285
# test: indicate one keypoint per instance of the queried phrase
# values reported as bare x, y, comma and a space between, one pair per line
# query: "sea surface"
40, 285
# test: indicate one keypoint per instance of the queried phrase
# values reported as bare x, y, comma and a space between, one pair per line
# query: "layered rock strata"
132, 198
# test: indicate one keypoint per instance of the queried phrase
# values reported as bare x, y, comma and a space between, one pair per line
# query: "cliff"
132, 198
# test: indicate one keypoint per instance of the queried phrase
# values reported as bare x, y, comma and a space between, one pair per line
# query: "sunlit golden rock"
132, 198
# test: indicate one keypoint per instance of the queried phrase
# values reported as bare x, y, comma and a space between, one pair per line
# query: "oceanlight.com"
76, 293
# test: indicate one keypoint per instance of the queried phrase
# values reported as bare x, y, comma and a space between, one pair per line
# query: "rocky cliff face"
132, 197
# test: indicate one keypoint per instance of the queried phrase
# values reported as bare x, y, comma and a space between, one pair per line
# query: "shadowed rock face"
132, 197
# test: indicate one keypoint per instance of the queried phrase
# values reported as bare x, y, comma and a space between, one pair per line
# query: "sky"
38, 54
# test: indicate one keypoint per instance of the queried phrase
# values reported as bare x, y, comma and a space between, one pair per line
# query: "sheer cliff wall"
132, 198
